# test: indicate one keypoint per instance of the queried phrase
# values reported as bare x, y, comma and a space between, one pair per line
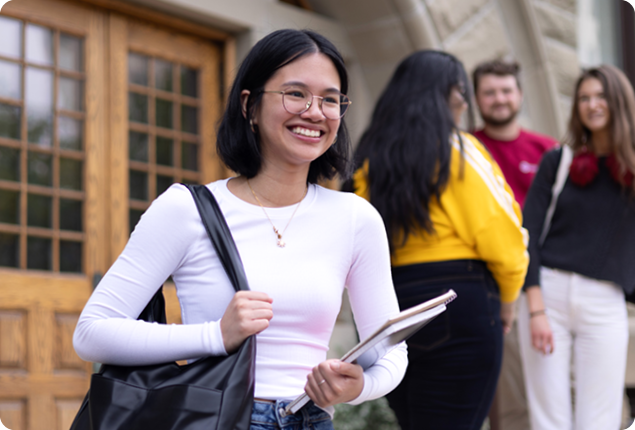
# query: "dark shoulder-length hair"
237, 145
621, 102
407, 144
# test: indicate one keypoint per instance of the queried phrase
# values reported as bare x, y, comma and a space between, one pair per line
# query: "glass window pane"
10, 121
39, 105
70, 256
71, 174
71, 57
138, 108
189, 119
10, 80
163, 75
138, 185
71, 215
138, 69
39, 45
10, 37
40, 169
9, 164
163, 183
138, 146
71, 94
39, 211
189, 82
38, 252
9, 207
164, 113
189, 156
70, 133
165, 151
133, 218
9, 245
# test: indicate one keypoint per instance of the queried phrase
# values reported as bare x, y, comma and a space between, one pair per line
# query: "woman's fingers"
248, 313
541, 334
333, 381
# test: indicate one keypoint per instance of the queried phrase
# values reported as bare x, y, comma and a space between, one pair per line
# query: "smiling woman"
573, 312
283, 130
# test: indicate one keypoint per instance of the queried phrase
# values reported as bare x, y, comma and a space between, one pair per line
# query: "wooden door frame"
226, 39
57, 298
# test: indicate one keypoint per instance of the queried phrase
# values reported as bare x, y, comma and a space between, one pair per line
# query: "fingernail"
335, 366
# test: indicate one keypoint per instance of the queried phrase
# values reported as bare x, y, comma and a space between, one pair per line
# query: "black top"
592, 230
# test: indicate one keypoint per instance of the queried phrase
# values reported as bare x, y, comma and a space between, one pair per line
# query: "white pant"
588, 319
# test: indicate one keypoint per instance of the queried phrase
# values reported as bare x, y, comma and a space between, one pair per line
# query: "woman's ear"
244, 98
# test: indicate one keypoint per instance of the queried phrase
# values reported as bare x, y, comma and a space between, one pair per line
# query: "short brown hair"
621, 102
498, 68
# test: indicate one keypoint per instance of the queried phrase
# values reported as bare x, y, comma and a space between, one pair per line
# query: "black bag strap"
220, 235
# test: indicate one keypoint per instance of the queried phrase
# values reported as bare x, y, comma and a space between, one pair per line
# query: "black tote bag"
213, 393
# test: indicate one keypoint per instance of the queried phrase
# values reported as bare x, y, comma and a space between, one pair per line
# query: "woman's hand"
334, 381
541, 334
508, 314
248, 313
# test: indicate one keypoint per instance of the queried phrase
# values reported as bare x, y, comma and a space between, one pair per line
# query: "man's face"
498, 99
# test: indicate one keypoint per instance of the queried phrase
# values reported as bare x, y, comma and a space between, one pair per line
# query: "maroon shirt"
518, 158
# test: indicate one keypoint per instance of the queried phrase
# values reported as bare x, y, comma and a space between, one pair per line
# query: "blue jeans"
455, 360
266, 416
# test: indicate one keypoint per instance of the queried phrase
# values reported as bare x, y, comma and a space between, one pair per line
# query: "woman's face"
457, 102
289, 139
593, 108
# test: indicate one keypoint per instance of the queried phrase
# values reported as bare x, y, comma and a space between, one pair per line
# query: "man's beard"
499, 122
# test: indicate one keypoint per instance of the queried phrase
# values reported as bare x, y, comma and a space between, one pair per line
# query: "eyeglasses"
299, 100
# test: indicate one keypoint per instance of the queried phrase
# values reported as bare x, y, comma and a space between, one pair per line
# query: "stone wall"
558, 27
382, 32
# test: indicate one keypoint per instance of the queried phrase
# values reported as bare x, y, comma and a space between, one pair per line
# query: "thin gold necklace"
281, 243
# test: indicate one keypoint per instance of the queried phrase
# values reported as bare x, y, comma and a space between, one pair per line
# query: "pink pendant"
281, 243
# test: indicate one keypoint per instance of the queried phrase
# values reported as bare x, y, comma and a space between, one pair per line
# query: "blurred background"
105, 103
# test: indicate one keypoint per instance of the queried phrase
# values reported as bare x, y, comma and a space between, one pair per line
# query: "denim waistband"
269, 412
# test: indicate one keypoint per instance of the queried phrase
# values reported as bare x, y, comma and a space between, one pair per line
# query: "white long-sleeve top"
335, 240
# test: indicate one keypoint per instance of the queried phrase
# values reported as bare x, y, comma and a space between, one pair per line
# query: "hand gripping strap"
221, 237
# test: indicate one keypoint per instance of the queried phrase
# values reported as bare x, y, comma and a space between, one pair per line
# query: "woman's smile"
303, 131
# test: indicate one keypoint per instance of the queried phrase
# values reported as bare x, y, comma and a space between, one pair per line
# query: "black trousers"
455, 360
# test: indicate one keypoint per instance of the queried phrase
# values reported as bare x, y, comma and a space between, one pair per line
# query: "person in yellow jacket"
452, 222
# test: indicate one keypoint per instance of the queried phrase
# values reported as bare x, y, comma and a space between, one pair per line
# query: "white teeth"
306, 132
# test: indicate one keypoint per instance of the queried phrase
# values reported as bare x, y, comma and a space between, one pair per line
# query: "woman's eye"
332, 99
295, 93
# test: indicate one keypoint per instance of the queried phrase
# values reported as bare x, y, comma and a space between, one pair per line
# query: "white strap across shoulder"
558, 184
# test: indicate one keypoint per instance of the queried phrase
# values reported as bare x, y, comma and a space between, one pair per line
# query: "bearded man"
517, 151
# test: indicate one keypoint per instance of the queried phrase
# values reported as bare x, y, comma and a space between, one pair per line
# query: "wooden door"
99, 112
166, 99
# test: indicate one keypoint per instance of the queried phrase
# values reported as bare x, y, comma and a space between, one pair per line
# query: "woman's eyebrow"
302, 84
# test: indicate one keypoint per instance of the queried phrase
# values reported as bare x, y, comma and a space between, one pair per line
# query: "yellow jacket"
478, 218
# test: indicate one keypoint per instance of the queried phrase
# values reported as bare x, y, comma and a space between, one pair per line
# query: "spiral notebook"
389, 335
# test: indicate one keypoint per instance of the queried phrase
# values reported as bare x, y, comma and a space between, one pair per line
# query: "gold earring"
334, 140
251, 124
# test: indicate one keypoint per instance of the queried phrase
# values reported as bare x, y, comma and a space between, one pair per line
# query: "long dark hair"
621, 102
237, 145
407, 144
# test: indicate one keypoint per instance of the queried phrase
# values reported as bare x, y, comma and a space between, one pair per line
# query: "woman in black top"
573, 311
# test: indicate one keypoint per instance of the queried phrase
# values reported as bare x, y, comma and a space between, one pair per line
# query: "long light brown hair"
621, 102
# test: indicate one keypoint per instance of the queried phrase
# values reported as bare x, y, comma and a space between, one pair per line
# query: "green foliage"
371, 415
